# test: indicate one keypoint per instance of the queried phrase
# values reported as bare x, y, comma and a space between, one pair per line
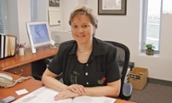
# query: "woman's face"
82, 29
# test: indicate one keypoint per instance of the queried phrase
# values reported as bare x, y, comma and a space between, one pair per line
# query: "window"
1, 25
3, 17
33, 6
151, 23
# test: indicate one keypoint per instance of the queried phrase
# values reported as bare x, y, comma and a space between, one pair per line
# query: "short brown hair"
83, 9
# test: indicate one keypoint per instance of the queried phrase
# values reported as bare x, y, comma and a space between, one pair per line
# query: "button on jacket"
100, 69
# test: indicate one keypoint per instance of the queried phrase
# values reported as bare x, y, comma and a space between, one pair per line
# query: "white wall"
23, 17
42, 10
124, 29
19, 14
13, 18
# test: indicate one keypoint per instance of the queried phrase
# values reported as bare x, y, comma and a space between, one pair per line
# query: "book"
11, 44
7, 46
2, 46
46, 95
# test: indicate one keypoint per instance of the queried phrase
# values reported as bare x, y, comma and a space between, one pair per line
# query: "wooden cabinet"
24, 70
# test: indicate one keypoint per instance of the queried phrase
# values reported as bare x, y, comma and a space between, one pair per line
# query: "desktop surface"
30, 85
28, 57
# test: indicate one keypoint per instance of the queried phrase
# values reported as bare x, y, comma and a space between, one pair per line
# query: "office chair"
123, 60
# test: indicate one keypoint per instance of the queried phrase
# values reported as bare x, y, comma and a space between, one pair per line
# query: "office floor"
153, 93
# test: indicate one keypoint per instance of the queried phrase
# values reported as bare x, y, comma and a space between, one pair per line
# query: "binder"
2, 46
7, 46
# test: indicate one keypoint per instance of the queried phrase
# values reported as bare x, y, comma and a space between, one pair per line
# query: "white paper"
88, 99
22, 91
46, 95
41, 95
111, 4
54, 17
108, 100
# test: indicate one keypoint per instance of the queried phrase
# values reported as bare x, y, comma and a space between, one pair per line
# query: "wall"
13, 18
23, 17
19, 14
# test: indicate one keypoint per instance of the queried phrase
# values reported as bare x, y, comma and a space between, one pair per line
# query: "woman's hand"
70, 92
65, 94
78, 89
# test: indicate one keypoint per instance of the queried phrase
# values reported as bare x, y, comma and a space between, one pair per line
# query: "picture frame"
112, 7
54, 3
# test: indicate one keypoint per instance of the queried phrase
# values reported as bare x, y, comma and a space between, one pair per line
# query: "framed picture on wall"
54, 3
112, 7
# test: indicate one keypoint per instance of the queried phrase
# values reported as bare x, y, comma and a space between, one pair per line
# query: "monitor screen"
38, 33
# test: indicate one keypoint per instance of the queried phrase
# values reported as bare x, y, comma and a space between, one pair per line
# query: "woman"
89, 65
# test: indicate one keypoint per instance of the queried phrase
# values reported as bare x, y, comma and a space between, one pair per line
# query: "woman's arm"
49, 79
111, 90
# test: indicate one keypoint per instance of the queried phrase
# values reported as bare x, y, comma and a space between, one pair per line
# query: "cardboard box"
138, 77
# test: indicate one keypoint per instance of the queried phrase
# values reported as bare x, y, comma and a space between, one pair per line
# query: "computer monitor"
39, 34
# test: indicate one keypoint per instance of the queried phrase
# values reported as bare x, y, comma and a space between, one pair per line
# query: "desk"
22, 65
30, 85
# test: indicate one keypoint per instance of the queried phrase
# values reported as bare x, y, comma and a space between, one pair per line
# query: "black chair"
123, 60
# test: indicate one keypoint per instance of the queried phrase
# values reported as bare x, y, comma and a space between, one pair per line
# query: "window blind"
3, 17
33, 6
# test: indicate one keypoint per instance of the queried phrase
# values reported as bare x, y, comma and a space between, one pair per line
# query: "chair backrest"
123, 60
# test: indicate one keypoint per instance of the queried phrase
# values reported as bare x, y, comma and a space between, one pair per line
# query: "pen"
24, 44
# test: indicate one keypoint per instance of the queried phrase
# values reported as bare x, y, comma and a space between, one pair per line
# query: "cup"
21, 51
